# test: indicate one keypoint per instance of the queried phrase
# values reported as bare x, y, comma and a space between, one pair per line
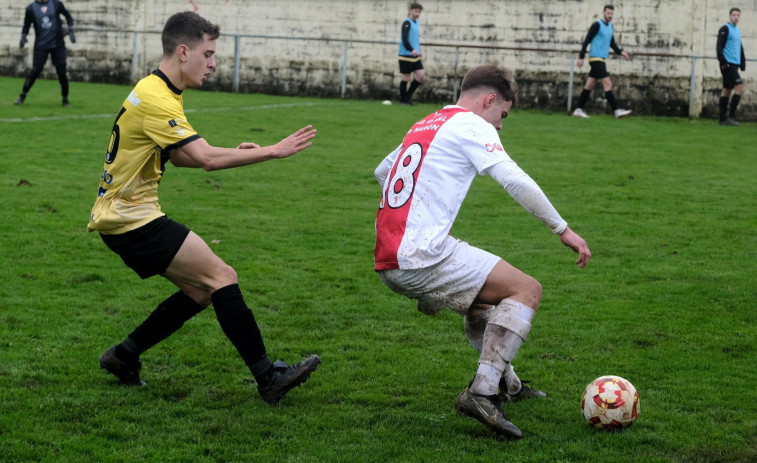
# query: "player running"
151, 130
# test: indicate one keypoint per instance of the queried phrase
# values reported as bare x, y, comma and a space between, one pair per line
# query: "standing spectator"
731, 56
424, 182
410, 55
601, 39
150, 130
48, 41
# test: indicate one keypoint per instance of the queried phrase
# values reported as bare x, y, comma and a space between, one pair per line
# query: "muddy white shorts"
453, 283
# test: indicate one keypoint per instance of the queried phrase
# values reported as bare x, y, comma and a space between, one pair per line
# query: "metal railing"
237, 37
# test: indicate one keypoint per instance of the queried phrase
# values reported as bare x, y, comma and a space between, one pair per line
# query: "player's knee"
533, 290
225, 276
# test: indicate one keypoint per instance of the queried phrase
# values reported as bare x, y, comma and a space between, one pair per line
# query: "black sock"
413, 86
128, 350
168, 317
734, 104
403, 90
611, 99
239, 325
584, 98
723, 107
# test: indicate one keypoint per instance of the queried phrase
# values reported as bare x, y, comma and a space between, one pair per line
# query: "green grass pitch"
667, 206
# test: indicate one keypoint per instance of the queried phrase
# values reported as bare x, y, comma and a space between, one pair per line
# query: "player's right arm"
386, 165
28, 19
589, 37
406, 35
722, 38
200, 154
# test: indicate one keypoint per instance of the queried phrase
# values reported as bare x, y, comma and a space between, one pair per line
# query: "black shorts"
731, 77
149, 249
598, 70
408, 67
40, 57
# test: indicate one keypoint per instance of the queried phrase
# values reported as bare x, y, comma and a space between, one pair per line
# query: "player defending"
601, 39
410, 55
731, 56
150, 130
425, 181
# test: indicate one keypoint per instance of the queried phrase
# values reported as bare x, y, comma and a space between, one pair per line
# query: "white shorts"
453, 283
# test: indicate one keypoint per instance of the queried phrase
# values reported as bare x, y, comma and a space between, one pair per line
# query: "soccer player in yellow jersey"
150, 130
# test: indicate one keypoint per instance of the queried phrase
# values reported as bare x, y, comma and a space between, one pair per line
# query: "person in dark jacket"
48, 31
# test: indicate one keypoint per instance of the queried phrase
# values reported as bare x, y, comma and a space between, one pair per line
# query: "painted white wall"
549, 32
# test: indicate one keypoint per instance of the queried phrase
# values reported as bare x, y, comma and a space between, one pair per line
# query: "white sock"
486, 381
513, 382
474, 326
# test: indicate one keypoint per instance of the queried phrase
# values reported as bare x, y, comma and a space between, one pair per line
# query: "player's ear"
182, 51
490, 99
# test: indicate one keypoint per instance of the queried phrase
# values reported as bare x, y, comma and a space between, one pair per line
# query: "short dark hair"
732, 10
609, 7
186, 28
494, 78
416, 6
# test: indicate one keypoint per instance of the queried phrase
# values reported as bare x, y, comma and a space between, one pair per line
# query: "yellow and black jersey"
150, 124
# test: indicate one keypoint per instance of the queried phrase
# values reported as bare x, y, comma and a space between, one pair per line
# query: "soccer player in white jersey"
424, 182
151, 130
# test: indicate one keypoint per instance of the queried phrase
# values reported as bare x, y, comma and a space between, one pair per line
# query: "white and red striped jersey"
426, 180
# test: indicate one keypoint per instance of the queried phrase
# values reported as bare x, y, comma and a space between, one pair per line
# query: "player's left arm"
64, 11
200, 154
69, 20
743, 58
617, 49
527, 193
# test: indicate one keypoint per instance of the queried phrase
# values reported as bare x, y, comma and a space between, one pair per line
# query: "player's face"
415, 13
608, 14
200, 62
497, 111
735, 16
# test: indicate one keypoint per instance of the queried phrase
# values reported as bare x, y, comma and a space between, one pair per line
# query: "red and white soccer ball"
610, 402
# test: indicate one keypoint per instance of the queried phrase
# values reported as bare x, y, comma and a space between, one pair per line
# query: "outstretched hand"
570, 239
294, 143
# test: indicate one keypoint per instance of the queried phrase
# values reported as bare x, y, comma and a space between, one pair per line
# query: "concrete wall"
541, 38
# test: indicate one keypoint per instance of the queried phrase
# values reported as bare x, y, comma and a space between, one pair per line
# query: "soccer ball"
610, 402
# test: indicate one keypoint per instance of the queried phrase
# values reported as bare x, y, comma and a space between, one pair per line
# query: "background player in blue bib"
600, 39
411, 66
731, 56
